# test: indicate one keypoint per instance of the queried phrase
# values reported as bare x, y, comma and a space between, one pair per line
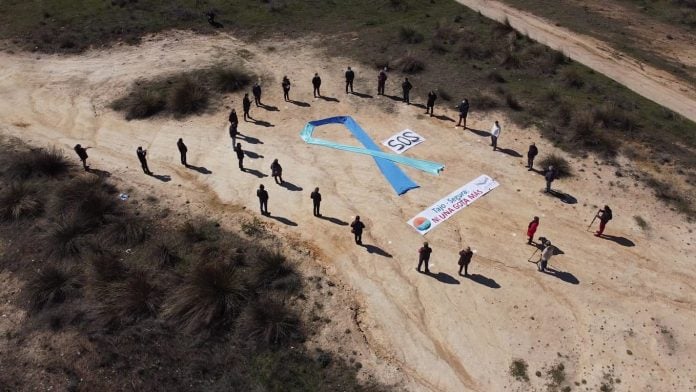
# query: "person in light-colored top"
545, 256
495, 132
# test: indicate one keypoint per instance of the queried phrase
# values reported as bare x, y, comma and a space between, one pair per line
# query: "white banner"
403, 140
450, 205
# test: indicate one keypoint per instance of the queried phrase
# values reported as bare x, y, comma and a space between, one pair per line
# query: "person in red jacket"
532, 228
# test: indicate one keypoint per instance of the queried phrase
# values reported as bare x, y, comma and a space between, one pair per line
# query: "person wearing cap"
430, 103
381, 81
316, 83
424, 257
262, 194
357, 227
531, 229
350, 76
82, 154
545, 256
463, 108
316, 201
465, 256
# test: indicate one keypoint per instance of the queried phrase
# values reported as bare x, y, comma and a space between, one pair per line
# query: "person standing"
246, 105
531, 229
262, 194
546, 254
531, 154
316, 83
430, 104
465, 256
381, 81
463, 108
256, 90
406, 86
234, 122
142, 157
350, 76
495, 132
424, 257
549, 176
604, 216
82, 154
240, 156
357, 227
277, 172
286, 88
316, 201
182, 151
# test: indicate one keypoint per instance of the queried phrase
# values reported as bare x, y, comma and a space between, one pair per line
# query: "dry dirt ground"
616, 309
650, 82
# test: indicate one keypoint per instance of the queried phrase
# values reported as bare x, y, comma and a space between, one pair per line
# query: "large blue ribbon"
385, 161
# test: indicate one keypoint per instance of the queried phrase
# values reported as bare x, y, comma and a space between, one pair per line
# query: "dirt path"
616, 308
652, 83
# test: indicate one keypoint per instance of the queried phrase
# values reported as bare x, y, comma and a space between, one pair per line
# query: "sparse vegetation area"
518, 370
559, 163
146, 303
642, 223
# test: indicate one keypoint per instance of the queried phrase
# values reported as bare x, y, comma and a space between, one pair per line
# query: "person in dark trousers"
256, 90
465, 256
182, 151
549, 176
406, 86
316, 83
316, 201
424, 257
381, 81
286, 88
531, 229
262, 194
234, 122
350, 76
531, 154
604, 216
246, 105
357, 227
142, 157
546, 254
240, 156
82, 154
430, 104
495, 133
277, 172
463, 108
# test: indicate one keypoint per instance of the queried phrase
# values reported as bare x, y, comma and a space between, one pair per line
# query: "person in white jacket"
545, 256
495, 132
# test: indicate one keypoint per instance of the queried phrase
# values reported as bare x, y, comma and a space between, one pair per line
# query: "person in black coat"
246, 105
381, 81
357, 227
234, 122
82, 154
262, 194
182, 151
350, 76
240, 155
286, 88
463, 108
316, 201
256, 90
316, 83
406, 86
277, 172
142, 157
464, 260
531, 154
424, 257
430, 104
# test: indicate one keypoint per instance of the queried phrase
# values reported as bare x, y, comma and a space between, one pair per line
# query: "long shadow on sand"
376, 250
443, 277
362, 95
480, 279
480, 132
100, 173
249, 139
162, 177
282, 220
300, 103
623, 241
329, 99
269, 108
562, 275
255, 172
199, 169
444, 118
252, 155
263, 123
511, 152
333, 220
564, 197
290, 186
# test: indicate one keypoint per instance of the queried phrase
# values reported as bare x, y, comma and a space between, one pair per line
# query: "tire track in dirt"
652, 83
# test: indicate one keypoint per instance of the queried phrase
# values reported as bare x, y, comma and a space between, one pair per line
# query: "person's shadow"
375, 250
480, 132
263, 123
252, 155
394, 97
418, 105
269, 107
255, 172
199, 169
282, 220
564, 197
300, 103
444, 118
362, 95
564, 276
100, 173
333, 220
290, 186
162, 177
510, 152
329, 99
480, 279
623, 241
250, 139
443, 277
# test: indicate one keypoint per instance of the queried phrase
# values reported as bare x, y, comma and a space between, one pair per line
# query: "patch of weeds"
254, 227
641, 222
410, 35
410, 64
518, 370
559, 163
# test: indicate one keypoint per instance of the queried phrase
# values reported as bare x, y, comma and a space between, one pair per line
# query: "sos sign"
403, 140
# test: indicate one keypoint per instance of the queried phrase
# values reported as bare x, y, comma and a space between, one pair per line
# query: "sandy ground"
652, 83
621, 308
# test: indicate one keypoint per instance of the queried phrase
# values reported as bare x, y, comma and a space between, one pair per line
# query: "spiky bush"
130, 300
20, 200
269, 323
39, 162
559, 163
64, 238
188, 96
50, 285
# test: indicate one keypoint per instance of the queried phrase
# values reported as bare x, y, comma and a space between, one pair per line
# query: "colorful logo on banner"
452, 203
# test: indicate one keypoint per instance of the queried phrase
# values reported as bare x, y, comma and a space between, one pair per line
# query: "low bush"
610, 115
127, 231
559, 163
269, 323
270, 267
129, 300
20, 200
512, 102
444, 94
188, 97
164, 253
410, 35
518, 370
65, 238
410, 64
106, 267
39, 162
572, 78
495, 76
141, 103
229, 80
200, 230
50, 285
473, 49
